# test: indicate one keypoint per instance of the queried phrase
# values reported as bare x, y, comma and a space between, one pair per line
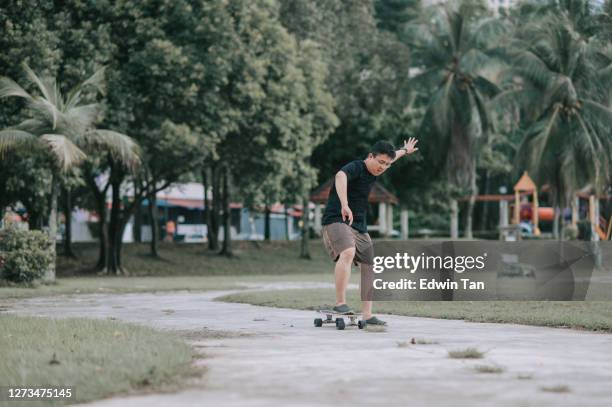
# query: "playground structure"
526, 185
525, 211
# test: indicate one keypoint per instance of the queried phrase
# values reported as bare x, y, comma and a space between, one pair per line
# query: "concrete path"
258, 356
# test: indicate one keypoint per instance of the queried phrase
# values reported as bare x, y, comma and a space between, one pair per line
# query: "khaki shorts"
338, 237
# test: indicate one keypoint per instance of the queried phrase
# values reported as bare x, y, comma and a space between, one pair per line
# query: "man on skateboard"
345, 233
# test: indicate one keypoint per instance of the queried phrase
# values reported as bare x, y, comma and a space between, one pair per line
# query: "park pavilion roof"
378, 194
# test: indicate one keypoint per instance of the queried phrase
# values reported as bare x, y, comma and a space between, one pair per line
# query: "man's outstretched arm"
341, 185
408, 148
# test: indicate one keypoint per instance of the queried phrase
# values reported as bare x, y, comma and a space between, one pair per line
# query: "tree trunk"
49, 276
471, 202
124, 218
117, 248
32, 219
68, 252
304, 247
447, 273
555, 226
557, 213
213, 226
137, 233
35, 220
227, 235
485, 204
267, 232
454, 219
112, 264
122, 224
206, 206
153, 221
287, 220
561, 226
100, 199
103, 231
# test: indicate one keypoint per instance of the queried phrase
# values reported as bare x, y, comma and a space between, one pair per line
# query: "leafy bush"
24, 255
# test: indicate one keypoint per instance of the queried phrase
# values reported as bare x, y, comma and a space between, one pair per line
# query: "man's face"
378, 164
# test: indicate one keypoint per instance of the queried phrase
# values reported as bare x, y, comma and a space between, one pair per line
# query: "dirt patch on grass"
468, 353
415, 341
489, 369
194, 335
561, 388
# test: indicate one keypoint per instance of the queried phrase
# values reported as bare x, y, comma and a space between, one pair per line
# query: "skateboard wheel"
340, 323
361, 324
318, 322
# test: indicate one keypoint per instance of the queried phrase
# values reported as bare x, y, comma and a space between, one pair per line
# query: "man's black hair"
382, 147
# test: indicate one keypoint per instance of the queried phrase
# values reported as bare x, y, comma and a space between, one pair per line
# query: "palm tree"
561, 77
451, 46
62, 127
607, 20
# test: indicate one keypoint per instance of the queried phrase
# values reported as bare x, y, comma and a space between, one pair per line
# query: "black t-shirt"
360, 183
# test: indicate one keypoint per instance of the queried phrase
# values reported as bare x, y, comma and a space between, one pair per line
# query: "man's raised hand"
409, 145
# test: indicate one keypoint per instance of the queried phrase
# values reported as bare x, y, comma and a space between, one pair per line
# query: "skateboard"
332, 316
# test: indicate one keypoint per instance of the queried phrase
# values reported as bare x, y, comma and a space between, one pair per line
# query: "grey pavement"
260, 356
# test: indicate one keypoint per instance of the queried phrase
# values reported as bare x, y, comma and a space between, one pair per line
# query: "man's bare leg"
366, 309
366, 279
343, 274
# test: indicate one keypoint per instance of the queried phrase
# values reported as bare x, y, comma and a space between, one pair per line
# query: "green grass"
424, 342
182, 267
468, 353
117, 285
593, 315
96, 358
194, 259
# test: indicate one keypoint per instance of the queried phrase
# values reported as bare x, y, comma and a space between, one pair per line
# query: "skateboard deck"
333, 317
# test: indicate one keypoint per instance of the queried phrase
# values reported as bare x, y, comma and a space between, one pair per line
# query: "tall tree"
451, 46
60, 126
165, 147
392, 15
26, 37
367, 76
276, 93
562, 91
70, 184
323, 121
153, 94
606, 20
